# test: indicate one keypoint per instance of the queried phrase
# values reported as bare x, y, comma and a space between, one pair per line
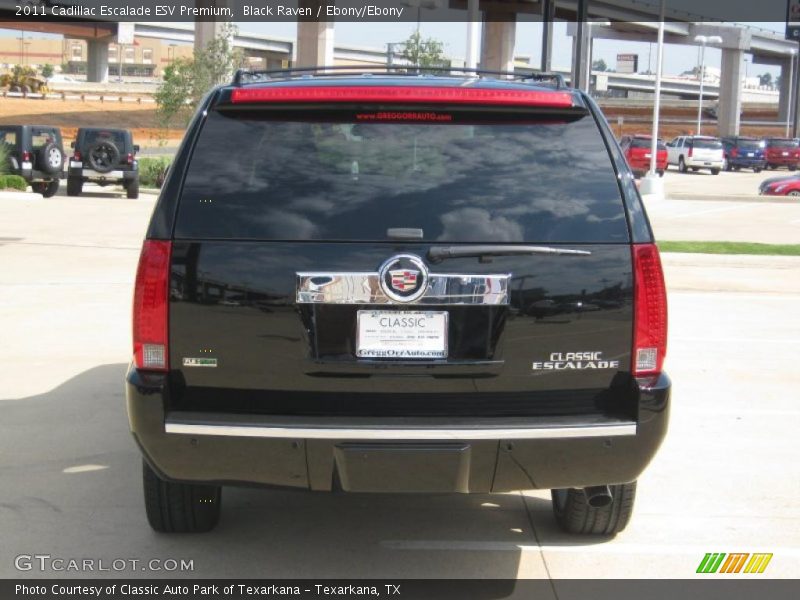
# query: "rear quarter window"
253, 175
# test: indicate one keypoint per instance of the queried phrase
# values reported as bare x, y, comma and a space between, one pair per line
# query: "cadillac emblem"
404, 278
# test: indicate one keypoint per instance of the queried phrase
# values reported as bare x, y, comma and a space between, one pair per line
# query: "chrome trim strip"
365, 288
357, 433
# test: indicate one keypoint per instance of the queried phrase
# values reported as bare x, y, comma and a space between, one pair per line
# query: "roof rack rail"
243, 76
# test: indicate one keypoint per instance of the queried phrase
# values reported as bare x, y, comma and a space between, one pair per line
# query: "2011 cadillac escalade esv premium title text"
394, 283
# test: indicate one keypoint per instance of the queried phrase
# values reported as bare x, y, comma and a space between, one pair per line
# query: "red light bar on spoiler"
403, 95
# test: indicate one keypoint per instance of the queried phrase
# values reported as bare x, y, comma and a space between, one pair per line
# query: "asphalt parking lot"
726, 480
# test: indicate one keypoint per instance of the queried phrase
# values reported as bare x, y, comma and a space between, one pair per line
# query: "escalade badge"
404, 278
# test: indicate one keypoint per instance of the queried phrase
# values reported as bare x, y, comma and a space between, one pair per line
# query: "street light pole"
702, 80
791, 91
657, 100
703, 39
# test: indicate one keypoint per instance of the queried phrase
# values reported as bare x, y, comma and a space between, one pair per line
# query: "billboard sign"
629, 63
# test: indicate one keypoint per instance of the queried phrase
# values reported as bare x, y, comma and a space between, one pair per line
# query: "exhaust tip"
598, 496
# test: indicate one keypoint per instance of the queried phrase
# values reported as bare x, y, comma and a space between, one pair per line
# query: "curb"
734, 198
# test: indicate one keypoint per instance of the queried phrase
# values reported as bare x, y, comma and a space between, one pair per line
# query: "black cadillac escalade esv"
394, 283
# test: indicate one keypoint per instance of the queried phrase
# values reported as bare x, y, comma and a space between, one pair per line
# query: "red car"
637, 152
782, 152
780, 186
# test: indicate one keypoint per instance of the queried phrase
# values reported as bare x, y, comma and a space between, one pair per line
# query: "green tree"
187, 80
48, 71
765, 79
599, 65
427, 52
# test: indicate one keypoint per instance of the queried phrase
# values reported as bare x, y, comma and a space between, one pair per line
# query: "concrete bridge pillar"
730, 91
497, 42
314, 38
783, 93
96, 61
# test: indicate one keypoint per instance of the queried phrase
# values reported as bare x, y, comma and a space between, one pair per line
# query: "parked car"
696, 152
782, 152
637, 152
106, 157
744, 153
334, 294
780, 186
35, 153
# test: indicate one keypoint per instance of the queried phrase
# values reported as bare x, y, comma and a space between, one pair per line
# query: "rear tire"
793, 193
50, 189
716, 171
682, 165
74, 186
757, 170
180, 507
661, 173
132, 189
574, 515
793, 167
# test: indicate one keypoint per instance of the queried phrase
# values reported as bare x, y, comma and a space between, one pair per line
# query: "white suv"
696, 152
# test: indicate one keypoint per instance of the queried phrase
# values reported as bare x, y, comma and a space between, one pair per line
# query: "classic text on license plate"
401, 334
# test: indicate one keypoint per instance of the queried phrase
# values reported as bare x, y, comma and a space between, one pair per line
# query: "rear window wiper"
440, 253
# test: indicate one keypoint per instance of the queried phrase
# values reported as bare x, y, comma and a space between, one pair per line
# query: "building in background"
146, 57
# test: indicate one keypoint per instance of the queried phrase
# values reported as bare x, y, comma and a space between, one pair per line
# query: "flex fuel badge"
578, 361
199, 362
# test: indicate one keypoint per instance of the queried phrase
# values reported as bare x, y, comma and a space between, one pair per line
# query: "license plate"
708, 164
784, 154
648, 155
401, 334
750, 154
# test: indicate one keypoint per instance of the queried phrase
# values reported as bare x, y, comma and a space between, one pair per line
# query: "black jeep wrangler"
35, 153
105, 157
393, 283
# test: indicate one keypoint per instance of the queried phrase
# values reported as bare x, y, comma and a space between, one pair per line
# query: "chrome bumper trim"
365, 288
624, 428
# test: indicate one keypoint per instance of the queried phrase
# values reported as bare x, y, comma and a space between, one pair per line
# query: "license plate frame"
398, 341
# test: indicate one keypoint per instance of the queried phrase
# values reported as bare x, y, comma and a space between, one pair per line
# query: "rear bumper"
747, 162
394, 454
704, 164
783, 160
92, 175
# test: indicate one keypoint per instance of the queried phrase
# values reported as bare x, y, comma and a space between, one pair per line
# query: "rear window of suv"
337, 176
645, 143
706, 144
93, 137
781, 143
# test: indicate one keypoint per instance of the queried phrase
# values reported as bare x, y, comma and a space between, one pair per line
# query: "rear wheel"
132, 189
757, 170
716, 171
574, 515
661, 173
794, 193
50, 189
681, 165
74, 186
792, 167
180, 507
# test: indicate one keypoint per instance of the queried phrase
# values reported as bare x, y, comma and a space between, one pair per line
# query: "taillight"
689, 154
26, 156
129, 158
404, 94
76, 155
151, 307
650, 317
734, 152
